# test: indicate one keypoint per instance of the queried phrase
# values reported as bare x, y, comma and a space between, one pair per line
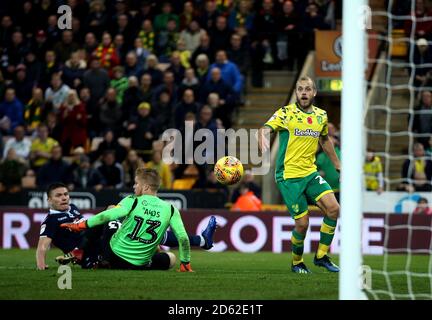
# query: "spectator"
184, 54
162, 168
417, 173
161, 20
50, 67
110, 114
220, 34
288, 27
187, 105
41, 147
40, 45
97, 18
247, 200
422, 60
57, 92
12, 169
167, 85
54, 127
97, 80
202, 68
209, 16
33, 67
109, 142
204, 48
34, 111
131, 99
65, 48
22, 84
190, 82
142, 129
130, 164
141, 52
119, 83
73, 70
73, 120
373, 171
20, 143
111, 171
229, 72
192, 35
226, 96
423, 207
166, 41
146, 87
86, 177
176, 67
163, 112
422, 121
238, 54
249, 182
11, 112
188, 15
90, 44
106, 54
147, 36
241, 19
132, 68
152, 69
55, 170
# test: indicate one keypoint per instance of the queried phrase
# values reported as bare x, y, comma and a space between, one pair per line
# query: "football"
228, 170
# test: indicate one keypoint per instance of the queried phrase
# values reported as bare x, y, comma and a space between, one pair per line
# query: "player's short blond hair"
149, 177
306, 78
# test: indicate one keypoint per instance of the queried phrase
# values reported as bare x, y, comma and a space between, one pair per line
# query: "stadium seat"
398, 48
183, 184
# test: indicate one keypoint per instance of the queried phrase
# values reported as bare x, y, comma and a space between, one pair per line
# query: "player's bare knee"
333, 211
172, 258
301, 226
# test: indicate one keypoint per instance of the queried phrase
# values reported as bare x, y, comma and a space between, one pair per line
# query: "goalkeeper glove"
76, 226
185, 267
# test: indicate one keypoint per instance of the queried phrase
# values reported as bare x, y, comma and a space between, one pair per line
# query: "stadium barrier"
85, 199
249, 231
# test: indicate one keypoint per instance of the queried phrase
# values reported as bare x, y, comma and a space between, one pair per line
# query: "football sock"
171, 240
297, 240
326, 236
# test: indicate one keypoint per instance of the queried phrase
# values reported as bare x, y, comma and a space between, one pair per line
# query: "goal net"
397, 135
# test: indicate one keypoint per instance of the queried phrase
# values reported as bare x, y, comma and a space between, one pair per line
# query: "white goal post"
353, 98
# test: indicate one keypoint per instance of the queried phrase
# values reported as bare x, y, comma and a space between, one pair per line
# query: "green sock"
297, 240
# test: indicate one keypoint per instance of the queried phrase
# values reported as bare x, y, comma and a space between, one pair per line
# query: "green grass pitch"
226, 275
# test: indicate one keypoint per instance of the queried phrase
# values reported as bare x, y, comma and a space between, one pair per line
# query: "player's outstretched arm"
263, 137
328, 148
42, 248
176, 224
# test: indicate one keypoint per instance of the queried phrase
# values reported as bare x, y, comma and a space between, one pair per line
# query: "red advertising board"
251, 231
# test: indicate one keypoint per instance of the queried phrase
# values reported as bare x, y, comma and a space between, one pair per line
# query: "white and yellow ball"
228, 170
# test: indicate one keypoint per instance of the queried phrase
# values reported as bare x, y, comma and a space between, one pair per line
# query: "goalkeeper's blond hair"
149, 177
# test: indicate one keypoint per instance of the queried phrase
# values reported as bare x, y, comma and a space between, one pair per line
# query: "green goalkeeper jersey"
146, 220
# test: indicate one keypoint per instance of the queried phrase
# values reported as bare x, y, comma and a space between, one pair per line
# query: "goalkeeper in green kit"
135, 244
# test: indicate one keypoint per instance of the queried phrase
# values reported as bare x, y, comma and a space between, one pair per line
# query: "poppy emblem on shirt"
309, 120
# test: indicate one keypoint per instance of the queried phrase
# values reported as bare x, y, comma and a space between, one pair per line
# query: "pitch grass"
226, 275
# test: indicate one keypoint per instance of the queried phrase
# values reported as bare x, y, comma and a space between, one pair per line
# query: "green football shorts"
298, 192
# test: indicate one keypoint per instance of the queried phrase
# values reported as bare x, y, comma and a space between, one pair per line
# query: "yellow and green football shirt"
299, 134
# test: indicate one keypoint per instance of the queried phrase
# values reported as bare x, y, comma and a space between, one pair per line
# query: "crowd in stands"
88, 105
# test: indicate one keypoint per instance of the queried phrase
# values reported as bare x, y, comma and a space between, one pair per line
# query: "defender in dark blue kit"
85, 247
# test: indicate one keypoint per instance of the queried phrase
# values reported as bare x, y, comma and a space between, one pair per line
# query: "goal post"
352, 151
